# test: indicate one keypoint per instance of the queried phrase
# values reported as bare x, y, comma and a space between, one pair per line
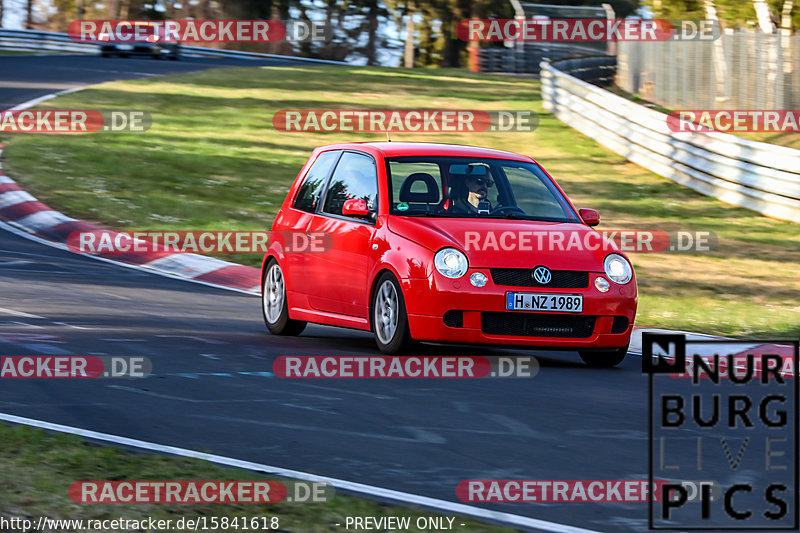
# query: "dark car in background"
154, 45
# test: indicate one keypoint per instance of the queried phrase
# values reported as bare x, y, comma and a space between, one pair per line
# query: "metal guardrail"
527, 58
45, 41
754, 175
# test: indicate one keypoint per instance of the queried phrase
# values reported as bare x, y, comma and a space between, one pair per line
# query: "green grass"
213, 161
37, 469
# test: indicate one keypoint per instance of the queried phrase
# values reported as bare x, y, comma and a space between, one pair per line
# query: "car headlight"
618, 269
451, 263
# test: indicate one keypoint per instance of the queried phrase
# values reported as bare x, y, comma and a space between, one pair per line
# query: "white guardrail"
754, 175
45, 41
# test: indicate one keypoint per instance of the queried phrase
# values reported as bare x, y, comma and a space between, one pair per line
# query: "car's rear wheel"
274, 305
604, 358
389, 318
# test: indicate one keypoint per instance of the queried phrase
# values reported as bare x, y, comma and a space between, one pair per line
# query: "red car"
445, 243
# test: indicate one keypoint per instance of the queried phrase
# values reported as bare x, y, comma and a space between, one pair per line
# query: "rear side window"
356, 176
308, 194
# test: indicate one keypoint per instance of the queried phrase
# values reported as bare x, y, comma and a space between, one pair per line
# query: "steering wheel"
507, 209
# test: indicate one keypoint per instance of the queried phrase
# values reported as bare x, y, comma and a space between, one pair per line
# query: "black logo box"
677, 365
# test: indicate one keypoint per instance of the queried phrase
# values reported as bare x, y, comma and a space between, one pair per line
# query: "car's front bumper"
446, 310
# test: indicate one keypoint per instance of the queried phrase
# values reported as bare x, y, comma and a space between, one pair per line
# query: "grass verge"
212, 160
37, 469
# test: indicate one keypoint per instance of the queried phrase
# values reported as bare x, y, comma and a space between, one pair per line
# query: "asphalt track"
208, 345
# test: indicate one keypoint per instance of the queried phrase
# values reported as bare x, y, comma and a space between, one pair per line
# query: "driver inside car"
475, 190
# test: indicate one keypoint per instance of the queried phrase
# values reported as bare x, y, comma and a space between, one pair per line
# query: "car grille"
523, 277
537, 325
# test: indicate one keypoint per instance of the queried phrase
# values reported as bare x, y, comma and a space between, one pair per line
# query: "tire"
274, 306
105, 54
174, 57
388, 315
604, 358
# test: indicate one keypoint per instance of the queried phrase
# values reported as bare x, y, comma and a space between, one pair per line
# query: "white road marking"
25, 324
36, 101
73, 326
360, 488
22, 314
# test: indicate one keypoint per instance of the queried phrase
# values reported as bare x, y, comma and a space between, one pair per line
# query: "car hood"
510, 243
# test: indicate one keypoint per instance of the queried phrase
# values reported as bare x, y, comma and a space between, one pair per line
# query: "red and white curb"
24, 212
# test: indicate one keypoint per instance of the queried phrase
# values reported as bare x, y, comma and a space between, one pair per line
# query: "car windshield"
463, 187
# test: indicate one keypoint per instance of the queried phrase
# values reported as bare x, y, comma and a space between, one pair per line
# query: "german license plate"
525, 301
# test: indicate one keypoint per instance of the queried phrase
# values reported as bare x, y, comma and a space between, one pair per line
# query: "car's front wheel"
604, 358
389, 318
274, 305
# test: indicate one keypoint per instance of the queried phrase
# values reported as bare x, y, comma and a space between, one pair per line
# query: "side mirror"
590, 216
355, 207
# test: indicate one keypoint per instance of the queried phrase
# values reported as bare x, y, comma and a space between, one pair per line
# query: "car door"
296, 220
337, 278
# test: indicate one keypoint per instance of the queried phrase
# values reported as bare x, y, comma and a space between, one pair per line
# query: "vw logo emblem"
542, 275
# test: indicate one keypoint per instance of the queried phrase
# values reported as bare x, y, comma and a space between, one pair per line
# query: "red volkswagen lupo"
436, 242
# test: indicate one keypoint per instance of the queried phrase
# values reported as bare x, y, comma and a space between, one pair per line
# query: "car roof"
405, 149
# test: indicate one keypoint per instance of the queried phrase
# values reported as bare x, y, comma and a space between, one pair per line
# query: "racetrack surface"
26, 77
205, 344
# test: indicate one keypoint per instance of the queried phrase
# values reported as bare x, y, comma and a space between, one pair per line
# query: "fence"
526, 59
741, 70
758, 176
45, 41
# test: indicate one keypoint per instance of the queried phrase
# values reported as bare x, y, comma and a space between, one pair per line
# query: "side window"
308, 194
401, 171
355, 177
